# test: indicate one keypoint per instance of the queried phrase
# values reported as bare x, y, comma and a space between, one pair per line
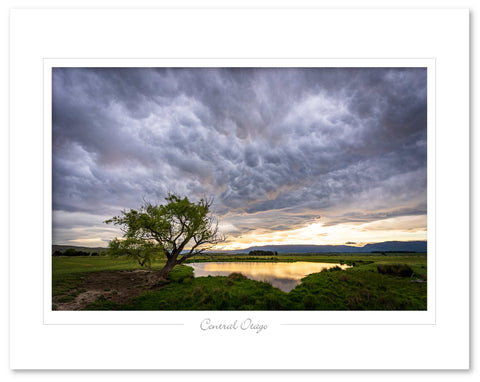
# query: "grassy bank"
375, 282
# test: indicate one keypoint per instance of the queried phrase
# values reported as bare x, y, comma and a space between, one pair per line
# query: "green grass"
363, 287
212, 293
359, 289
69, 272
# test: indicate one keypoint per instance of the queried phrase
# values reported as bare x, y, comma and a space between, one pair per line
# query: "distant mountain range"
386, 246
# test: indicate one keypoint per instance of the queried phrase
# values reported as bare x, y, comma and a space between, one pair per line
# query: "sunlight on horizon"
405, 228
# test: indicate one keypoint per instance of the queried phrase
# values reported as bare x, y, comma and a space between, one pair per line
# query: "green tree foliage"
144, 252
177, 230
262, 253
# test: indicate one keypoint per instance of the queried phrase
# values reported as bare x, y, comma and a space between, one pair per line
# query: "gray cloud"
345, 143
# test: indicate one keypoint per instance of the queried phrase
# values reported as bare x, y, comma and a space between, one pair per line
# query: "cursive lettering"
246, 324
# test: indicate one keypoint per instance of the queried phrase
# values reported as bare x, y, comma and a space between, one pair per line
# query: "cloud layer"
278, 148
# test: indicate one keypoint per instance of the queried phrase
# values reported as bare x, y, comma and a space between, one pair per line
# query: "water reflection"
284, 276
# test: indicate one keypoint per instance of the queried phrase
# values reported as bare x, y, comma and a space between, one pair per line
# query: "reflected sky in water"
284, 276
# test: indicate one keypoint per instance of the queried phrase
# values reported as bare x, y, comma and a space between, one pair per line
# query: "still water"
284, 276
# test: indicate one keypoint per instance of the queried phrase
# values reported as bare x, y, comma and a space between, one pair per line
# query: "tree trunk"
167, 268
161, 276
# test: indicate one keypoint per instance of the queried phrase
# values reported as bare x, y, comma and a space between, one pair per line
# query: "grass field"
375, 282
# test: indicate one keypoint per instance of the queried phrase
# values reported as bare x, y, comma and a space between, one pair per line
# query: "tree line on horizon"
73, 252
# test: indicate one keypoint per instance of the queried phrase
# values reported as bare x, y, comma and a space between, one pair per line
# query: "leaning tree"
177, 230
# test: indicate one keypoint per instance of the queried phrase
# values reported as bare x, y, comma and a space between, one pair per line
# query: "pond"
284, 276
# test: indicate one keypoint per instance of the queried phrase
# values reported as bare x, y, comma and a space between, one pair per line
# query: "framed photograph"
242, 193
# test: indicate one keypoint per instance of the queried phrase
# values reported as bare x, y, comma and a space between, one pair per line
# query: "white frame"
38, 344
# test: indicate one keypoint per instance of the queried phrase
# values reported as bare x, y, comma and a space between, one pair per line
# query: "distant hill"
391, 246
63, 248
387, 246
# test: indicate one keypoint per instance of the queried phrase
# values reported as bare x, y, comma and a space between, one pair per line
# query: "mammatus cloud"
276, 148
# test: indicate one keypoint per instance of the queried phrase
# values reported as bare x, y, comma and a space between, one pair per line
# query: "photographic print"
239, 188
301, 182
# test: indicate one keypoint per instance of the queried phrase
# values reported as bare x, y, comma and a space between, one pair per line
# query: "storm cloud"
277, 148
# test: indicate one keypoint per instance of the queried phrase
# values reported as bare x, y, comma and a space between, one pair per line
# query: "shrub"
236, 276
334, 269
402, 270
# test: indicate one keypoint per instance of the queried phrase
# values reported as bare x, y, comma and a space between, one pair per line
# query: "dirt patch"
120, 287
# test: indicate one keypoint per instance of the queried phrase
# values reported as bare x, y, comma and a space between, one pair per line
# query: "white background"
447, 344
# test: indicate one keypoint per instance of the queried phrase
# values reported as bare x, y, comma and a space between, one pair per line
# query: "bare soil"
120, 287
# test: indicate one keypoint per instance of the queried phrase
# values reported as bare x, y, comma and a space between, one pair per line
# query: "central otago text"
246, 324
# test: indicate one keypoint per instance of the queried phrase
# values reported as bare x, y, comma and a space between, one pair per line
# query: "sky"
289, 155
